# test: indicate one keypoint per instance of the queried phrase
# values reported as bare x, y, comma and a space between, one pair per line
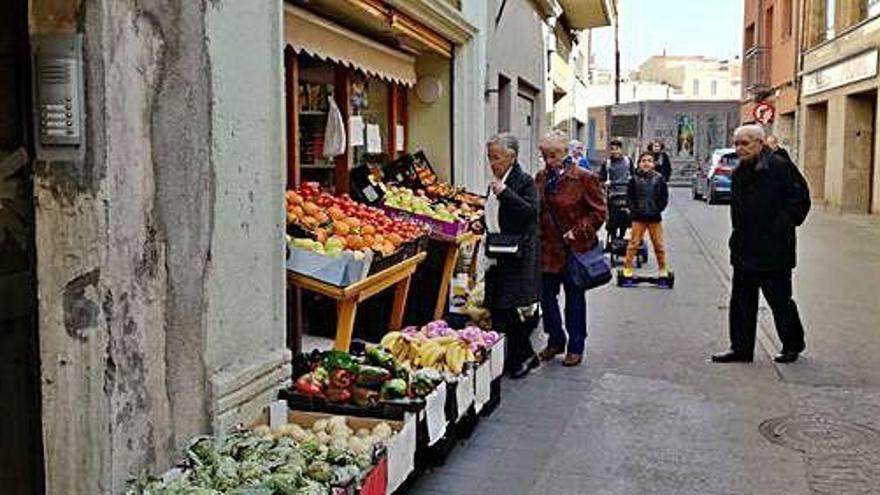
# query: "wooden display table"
347, 298
453, 249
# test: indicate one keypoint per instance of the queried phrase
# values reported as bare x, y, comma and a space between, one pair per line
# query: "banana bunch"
448, 353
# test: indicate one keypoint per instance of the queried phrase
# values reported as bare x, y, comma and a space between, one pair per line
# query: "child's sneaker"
628, 272
664, 273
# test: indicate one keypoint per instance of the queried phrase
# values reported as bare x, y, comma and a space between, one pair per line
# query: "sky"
683, 27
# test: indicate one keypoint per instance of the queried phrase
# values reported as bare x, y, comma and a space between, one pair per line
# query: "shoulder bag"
586, 270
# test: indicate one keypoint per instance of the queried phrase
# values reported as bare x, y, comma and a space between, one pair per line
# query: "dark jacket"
513, 280
648, 196
769, 199
578, 203
663, 165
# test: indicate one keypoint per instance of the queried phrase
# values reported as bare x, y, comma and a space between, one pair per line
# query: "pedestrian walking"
511, 217
770, 198
662, 163
576, 154
773, 144
648, 196
572, 211
616, 172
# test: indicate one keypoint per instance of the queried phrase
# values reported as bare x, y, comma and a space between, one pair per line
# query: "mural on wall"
686, 127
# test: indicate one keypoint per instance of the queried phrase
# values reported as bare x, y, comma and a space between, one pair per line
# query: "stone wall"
160, 256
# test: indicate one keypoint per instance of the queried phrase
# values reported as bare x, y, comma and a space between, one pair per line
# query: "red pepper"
306, 385
342, 379
340, 395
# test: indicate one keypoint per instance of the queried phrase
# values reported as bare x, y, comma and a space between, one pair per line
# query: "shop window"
369, 101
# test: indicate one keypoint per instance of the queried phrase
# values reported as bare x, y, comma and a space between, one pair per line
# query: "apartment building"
839, 100
770, 51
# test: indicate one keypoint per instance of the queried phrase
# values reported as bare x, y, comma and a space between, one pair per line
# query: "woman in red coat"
572, 211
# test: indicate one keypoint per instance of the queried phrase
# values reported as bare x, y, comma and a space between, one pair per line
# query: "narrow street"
648, 413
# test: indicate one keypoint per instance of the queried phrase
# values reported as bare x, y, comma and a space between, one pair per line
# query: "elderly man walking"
770, 198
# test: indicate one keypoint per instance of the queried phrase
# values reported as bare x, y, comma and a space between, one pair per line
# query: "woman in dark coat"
572, 211
662, 163
512, 277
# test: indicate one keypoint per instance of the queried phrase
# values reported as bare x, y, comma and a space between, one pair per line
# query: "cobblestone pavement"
648, 414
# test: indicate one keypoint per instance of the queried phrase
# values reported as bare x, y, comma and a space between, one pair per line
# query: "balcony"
756, 71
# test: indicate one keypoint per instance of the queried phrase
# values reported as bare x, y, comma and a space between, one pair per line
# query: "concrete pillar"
836, 149
814, 139
160, 255
859, 152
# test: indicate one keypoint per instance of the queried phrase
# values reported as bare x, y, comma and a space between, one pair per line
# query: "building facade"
839, 128
693, 77
770, 72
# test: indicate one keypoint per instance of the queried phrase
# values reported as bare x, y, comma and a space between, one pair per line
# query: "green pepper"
335, 360
379, 357
372, 376
321, 376
394, 389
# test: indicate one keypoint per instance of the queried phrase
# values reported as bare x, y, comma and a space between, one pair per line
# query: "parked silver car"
713, 179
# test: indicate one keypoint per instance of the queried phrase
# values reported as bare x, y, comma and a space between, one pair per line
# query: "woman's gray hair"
753, 131
507, 141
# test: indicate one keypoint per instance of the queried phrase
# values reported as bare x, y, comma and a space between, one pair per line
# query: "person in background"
616, 172
572, 211
576, 154
648, 197
512, 279
662, 163
773, 143
770, 199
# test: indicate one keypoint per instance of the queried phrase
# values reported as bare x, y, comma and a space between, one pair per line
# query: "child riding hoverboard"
648, 196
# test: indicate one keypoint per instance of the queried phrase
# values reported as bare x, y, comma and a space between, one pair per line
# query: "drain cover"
820, 434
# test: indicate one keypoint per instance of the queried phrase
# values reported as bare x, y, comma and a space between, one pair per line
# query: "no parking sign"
764, 112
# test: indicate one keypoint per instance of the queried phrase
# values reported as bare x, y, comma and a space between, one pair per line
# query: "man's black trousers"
776, 286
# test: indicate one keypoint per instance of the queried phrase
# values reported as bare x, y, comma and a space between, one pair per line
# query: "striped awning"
312, 34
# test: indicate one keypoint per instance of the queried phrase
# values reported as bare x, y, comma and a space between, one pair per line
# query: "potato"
363, 433
320, 425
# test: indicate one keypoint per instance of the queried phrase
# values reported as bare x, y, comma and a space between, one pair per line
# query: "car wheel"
712, 197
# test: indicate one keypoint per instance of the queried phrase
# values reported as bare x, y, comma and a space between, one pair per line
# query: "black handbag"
586, 270
503, 245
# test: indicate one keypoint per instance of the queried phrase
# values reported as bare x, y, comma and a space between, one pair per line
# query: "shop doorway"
20, 433
815, 151
858, 168
524, 125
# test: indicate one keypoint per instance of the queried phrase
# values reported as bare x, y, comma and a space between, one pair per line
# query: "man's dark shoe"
786, 357
731, 357
522, 370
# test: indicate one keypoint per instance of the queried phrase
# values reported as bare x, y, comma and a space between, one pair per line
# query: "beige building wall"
840, 97
430, 124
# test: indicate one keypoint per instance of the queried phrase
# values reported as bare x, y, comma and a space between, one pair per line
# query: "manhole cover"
819, 434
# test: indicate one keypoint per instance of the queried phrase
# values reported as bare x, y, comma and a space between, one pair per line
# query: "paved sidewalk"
648, 414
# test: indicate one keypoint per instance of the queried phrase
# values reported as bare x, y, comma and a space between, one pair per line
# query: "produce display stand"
453, 249
347, 298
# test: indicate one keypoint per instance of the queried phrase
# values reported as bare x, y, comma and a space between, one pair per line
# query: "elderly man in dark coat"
512, 249
770, 198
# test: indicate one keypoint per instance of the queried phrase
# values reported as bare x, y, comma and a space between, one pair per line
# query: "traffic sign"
764, 112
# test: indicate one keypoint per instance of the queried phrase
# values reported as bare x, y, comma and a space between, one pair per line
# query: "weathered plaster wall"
142, 258
430, 124
469, 100
248, 242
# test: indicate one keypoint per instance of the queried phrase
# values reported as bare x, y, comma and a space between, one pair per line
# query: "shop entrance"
861, 111
815, 151
20, 434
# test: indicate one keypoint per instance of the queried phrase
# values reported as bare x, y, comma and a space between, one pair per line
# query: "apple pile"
339, 222
406, 199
